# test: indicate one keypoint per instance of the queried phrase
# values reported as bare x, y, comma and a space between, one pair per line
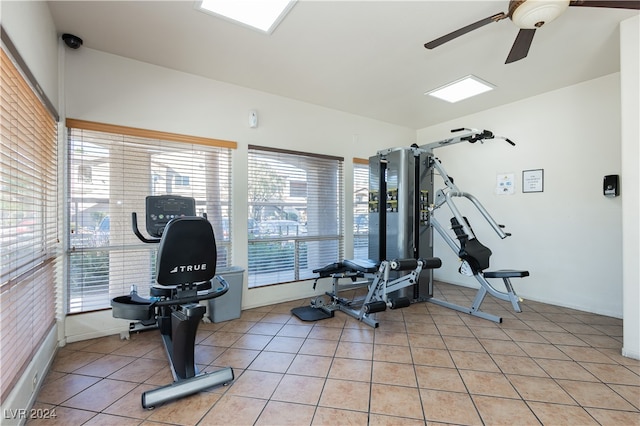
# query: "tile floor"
425, 364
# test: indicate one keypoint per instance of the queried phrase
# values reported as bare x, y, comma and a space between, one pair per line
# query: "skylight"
263, 15
463, 88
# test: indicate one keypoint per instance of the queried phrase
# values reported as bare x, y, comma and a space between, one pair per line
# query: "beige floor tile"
299, 389
474, 361
522, 366
100, 395
246, 384
103, 419
187, 411
381, 420
449, 407
570, 370
57, 391
72, 361
390, 338
611, 417
139, 370
488, 384
555, 414
266, 328
542, 350
221, 338
397, 401
345, 395
469, 344
581, 354
325, 333
540, 389
325, 416
596, 395
284, 413
319, 347
433, 357
437, 378
358, 335
358, 370
275, 362
391, 353
64, 416
236, 358
256, 342
502, 411
291, 330
630, 393
614, 374
392, 373
502, 347
355, 350
234, 410
285, 344
426, 341
310, 365
130, 404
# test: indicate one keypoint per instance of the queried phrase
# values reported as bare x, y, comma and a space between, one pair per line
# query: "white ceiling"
362, 57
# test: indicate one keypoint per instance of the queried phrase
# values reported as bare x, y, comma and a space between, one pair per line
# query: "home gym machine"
184, 276
401, 220
473, 255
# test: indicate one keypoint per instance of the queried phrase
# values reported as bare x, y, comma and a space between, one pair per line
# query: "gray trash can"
229, 305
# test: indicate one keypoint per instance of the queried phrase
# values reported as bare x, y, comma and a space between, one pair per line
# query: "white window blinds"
295, 214
361, 208
112, 170
28, 231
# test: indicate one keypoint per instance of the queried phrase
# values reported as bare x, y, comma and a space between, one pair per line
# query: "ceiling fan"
528, 15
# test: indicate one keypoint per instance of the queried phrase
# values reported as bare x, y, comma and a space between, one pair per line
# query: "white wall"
31, 29
111, 89
630, 81
568, 236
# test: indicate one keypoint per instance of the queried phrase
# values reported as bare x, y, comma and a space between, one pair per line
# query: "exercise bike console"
161, 209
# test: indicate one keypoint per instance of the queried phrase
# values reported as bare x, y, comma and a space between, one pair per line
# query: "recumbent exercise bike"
184, 276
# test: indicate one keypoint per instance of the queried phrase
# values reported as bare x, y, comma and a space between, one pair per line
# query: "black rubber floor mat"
308, 313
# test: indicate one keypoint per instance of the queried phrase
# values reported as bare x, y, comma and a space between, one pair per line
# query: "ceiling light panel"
262, 15
463, 88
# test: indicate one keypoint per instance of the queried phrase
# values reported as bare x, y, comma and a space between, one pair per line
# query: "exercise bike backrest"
187, 253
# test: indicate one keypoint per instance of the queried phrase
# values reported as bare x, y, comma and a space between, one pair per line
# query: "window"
112, 170
295, 214
28, 229
360, 208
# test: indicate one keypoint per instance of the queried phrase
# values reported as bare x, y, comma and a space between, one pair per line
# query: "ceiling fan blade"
615, 4
521, 46
457, 33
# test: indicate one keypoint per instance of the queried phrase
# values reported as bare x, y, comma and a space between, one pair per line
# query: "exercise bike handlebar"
211, 294
136, 231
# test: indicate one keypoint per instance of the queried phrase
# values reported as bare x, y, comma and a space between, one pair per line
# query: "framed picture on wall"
533, 180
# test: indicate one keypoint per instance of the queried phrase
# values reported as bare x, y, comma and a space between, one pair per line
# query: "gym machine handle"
136, 231
484, 134
410, 264
198, 297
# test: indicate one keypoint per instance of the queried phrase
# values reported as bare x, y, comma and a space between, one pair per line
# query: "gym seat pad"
506, 273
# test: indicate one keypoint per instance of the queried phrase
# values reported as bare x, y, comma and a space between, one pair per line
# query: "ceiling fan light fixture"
460, 89
531, 14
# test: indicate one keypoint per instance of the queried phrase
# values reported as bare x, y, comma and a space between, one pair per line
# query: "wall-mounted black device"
611, 186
